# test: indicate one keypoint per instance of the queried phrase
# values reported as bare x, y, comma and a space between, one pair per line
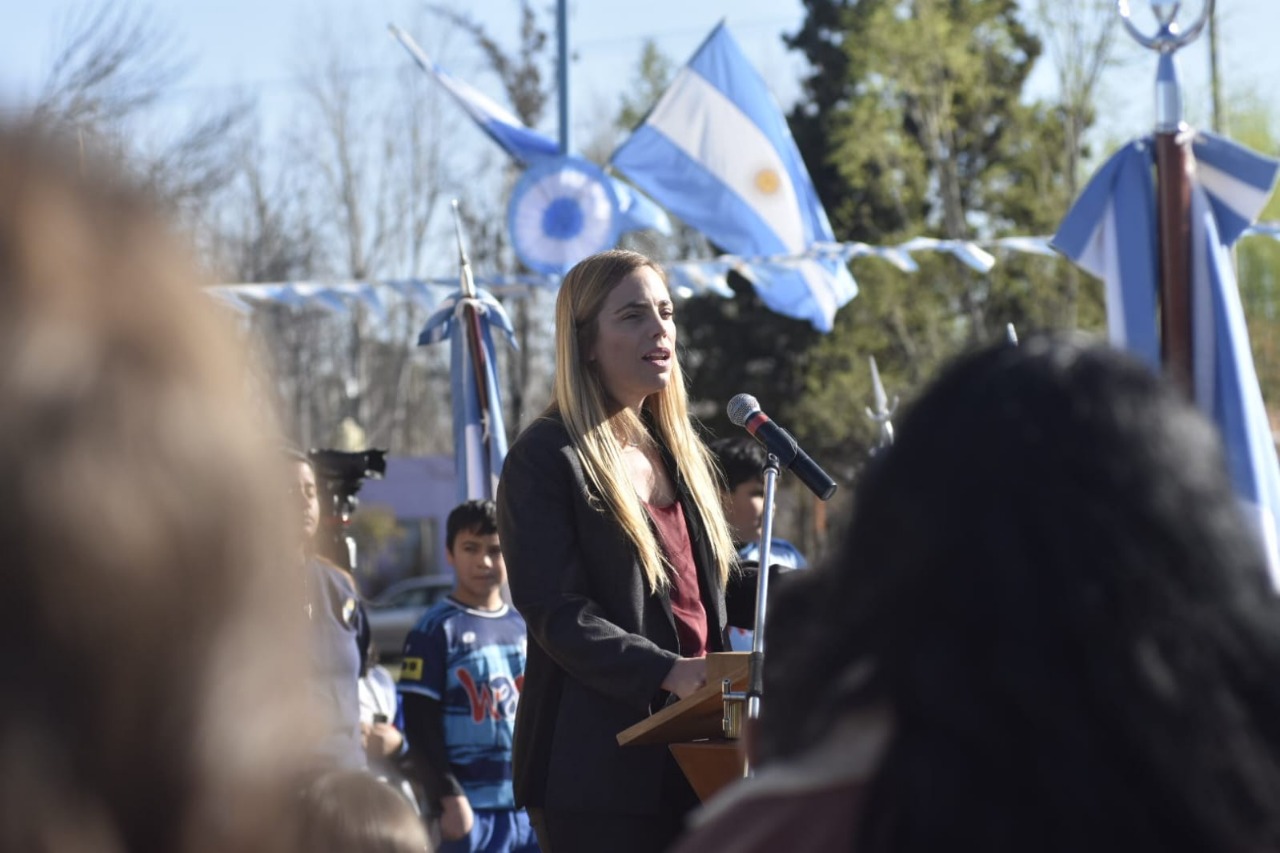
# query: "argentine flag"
1111, 232
716, 151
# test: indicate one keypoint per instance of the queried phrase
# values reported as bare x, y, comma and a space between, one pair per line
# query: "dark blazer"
600, 641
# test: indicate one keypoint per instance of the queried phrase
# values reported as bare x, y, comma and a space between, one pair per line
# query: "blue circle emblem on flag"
561, 211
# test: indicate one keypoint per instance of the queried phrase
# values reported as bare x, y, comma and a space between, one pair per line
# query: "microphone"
744, 410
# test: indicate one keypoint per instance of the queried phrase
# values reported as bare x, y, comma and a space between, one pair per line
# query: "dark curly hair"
1050, 586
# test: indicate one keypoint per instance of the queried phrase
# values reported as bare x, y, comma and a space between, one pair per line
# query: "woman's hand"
686, 676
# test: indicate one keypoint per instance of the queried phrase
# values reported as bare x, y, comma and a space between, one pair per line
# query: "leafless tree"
520, 72
265, 232
1080, 37
521, 75
375, 162
1081, 40
114, 64
350, 191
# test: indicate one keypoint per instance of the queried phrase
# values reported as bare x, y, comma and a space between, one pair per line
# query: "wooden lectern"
693, 728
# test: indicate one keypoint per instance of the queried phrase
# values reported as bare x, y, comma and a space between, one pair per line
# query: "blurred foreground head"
140, 542
350, 811
1049, 589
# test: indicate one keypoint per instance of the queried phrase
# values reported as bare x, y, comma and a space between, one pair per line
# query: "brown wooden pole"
1173, 211
1173, 186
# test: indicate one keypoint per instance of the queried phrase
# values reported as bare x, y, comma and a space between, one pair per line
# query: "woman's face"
635, 345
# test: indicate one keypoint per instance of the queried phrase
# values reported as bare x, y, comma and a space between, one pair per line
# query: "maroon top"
686, 600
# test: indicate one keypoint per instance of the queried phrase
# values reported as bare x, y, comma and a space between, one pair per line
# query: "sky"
260, 47
256, 46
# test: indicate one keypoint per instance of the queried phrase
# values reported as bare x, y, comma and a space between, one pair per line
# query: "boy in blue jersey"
460, 681
742, 459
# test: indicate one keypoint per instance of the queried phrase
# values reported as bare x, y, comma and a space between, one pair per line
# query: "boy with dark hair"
742, 461
460, 682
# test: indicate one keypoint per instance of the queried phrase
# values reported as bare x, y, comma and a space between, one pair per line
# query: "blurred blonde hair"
145, 557
598, 432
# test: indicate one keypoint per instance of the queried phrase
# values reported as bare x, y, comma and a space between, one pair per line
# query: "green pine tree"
1253, 123
914, 124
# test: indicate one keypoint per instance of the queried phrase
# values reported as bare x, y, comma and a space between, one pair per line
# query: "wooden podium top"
698, 715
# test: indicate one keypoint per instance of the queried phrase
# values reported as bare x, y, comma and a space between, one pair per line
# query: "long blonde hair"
597, 432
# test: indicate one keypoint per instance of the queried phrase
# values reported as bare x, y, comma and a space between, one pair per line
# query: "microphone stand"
755, 680
734, 701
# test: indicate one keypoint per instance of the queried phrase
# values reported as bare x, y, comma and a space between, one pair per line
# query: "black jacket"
600, 642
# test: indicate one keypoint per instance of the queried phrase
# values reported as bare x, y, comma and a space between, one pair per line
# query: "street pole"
562, 71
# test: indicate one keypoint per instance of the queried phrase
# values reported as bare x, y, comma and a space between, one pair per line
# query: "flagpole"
1173, 220
1173, 186
562, 72
471, 319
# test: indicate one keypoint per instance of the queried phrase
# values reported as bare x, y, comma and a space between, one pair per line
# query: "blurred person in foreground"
619, 556
142, 533
350, 811
1050, 628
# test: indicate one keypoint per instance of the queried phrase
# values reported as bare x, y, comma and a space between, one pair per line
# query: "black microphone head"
740, 408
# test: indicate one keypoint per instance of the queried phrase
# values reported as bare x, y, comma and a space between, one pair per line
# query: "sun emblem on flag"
768, 181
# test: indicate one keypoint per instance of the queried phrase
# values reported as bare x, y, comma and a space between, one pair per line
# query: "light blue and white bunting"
688, 278
716, 151
1111, 232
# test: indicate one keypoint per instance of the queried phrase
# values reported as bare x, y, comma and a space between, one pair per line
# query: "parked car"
394, 612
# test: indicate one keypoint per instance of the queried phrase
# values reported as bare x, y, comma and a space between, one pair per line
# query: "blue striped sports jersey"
472, 662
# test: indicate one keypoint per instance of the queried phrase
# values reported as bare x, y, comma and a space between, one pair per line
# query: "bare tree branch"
115, 62
520, 73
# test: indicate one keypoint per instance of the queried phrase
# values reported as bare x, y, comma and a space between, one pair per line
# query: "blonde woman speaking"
618, 555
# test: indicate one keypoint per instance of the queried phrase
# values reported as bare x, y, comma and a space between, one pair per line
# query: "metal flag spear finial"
883, 411
467, 282
1170, 37
469, 314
